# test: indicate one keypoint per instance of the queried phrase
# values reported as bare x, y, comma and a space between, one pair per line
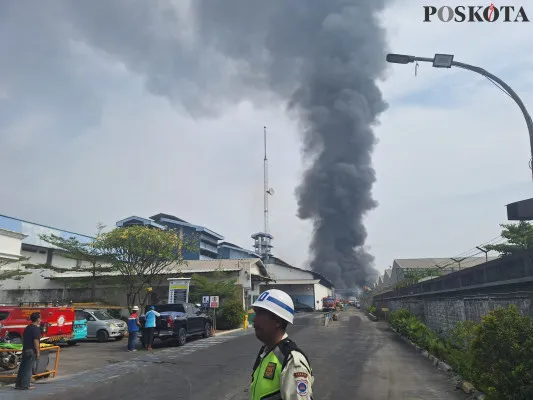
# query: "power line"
470, 253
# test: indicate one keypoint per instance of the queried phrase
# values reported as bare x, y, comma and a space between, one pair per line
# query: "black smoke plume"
321, 57
327, 56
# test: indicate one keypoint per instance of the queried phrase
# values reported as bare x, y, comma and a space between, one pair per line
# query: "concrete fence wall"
466, 295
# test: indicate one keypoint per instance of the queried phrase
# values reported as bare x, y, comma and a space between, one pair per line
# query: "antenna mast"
262, 245
265, 183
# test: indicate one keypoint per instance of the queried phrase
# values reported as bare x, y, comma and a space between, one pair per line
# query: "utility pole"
447, 61
519, 210
484, 251
458, 260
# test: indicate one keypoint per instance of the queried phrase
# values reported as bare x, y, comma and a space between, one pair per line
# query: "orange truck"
56, 322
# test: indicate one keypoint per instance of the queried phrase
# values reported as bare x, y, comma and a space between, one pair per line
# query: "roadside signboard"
178, 290
213, 302
205, 301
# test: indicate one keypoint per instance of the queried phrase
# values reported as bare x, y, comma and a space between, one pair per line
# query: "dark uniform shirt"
31, 332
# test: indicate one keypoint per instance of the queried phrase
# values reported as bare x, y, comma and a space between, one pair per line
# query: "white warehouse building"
19, 240
304, 286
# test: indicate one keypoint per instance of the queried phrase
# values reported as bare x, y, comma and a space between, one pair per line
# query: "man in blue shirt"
133, 328
149, 327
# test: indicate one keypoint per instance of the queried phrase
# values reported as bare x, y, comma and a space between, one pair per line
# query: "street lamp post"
446, 61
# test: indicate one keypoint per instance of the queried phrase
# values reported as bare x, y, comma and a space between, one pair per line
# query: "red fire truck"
329, 303
56, 322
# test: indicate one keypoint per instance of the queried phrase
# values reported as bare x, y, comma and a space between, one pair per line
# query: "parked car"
80, 330
101, 325
302, 307
179, 321
56, 322
357, 304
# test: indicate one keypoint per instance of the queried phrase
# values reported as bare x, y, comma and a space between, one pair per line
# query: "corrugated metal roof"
207, 269
221, 264
295, 282
45, 226
444, 263
280, 262
195, 266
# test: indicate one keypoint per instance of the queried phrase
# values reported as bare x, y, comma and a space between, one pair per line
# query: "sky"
87, 138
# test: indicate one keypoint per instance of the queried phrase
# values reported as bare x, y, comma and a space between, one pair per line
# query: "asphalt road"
352, 359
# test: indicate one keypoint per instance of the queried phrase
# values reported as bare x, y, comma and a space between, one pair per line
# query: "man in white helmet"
281, 370
133, 328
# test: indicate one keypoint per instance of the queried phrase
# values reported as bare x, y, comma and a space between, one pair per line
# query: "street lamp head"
400, 58
443, 60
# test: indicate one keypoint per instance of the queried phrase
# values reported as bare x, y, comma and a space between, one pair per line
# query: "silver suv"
101, 325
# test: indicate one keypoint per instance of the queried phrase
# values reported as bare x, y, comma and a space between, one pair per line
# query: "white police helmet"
135, 308
277, 302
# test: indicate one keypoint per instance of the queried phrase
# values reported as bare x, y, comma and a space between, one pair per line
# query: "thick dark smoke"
325, 55
321, 57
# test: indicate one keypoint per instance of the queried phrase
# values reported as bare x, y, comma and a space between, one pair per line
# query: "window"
170, 307
79, 315
4, 315
26, 247
188, 309
102, 315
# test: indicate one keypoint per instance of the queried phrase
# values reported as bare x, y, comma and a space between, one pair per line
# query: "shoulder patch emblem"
270, 371
300, 375
302, 387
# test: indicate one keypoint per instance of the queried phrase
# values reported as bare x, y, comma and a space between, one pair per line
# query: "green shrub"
231, 314
496, 355
403, 321
503, 355
458, 352
371, 310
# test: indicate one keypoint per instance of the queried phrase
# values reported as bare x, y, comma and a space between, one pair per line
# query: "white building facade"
20, 243
304, 286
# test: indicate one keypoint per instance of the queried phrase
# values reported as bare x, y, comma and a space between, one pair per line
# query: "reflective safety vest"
132, 323
266, 373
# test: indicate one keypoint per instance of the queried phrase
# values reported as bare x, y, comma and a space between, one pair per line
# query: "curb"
465, 386
227, 332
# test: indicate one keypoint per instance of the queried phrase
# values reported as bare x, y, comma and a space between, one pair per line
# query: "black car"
179, 321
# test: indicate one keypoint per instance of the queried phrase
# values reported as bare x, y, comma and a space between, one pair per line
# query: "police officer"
281, 370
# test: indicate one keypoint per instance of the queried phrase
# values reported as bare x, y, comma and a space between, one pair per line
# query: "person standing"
133, 328
31, 351
149, 327
281, 370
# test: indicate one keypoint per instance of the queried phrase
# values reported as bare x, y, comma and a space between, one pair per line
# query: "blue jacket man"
150, 317
149, 327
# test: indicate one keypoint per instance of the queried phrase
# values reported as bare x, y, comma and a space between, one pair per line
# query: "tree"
143, 257
413, 276
503, 355
16, 274
231, 312
519, 238
86, 253
217, 286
